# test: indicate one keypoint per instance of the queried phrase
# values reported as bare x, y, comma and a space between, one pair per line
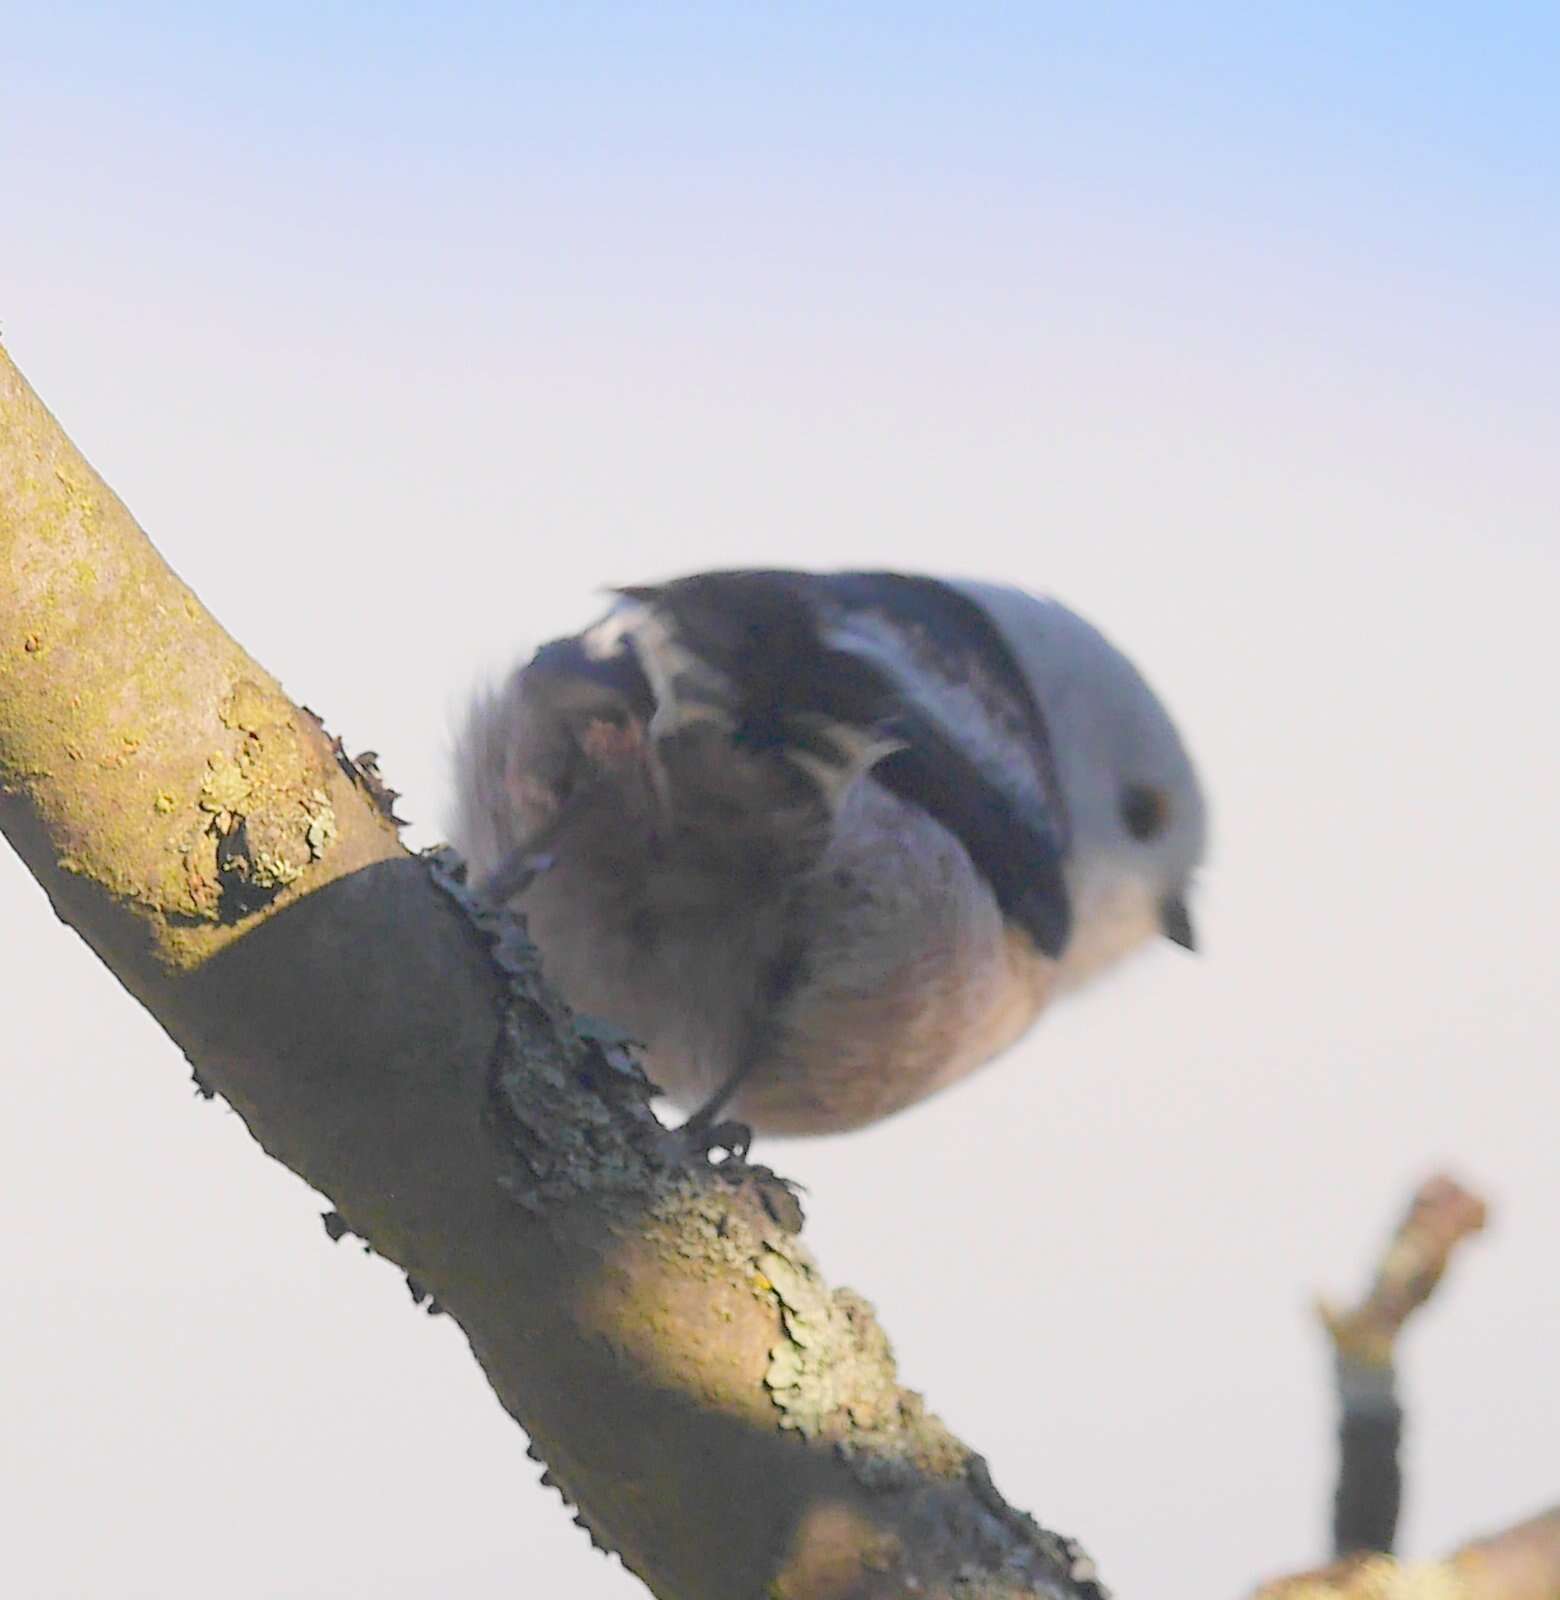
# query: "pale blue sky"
402, 329
1427, 136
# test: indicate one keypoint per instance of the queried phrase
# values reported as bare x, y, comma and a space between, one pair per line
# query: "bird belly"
912, 978
855, 1057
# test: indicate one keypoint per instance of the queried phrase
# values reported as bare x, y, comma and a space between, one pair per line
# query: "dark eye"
1145, 810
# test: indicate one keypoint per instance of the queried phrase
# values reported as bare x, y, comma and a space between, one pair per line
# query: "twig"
1369, 1492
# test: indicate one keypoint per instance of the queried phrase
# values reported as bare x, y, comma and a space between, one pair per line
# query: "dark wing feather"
764, 634
905, 656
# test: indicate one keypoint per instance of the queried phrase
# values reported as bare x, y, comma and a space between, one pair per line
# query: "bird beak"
1175, 922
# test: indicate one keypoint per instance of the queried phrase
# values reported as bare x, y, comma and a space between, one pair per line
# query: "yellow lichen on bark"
128, 713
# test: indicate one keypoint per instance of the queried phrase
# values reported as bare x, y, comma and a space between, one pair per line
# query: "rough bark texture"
725, 1422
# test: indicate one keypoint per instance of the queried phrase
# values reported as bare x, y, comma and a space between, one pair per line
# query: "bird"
823, 843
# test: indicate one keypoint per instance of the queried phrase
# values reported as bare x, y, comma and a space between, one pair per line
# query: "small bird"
824, 843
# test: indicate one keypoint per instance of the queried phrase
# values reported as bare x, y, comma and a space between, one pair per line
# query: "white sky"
1287, 435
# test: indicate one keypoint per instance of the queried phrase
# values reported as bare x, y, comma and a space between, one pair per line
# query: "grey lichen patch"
832, 1375
833, 1379
698, 1222
321, 831
224, 790
270, 815
265, 859
573, 1108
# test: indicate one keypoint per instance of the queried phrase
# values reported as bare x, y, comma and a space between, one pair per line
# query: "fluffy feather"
827, 842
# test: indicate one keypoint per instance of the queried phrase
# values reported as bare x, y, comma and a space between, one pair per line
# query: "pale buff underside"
670, 924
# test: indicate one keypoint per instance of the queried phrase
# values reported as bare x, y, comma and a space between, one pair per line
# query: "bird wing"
905, 675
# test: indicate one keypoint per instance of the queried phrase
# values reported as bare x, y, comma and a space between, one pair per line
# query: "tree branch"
1522, 1563
1370, 1422
724, 1421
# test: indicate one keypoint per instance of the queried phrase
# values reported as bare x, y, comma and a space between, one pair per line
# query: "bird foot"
514, 875
701, 1136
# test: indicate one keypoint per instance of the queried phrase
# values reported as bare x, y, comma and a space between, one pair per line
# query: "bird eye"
1145, 810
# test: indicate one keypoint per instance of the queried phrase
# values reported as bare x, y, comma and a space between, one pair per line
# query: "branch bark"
723, 1420
1521, 1563
1364, 1339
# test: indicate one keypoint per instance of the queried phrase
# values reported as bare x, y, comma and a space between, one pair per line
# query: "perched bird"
825, 843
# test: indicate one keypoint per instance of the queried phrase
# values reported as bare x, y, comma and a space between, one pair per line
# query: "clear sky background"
402, 328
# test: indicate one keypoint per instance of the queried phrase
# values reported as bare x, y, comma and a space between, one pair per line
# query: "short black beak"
1175, 922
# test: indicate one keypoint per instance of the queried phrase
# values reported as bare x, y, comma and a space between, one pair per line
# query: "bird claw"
702, 1136
514, 875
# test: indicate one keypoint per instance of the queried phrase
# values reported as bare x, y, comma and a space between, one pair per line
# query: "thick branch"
727, 1424
1522, 1563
